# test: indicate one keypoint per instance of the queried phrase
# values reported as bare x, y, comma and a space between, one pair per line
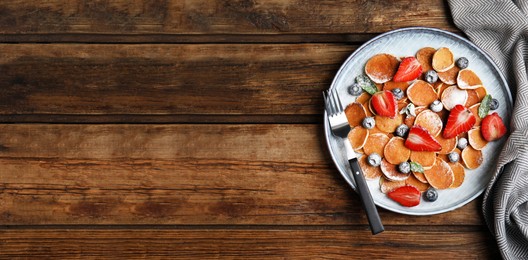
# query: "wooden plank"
246, 244
218, 17
173, 80
181, 174
188, 38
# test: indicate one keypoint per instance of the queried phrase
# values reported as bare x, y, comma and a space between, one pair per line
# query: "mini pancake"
376, 144
390, 85
425, 159
364, 100
409, 120
440, 176
420, 177
416, 183
387, 186
372, 111
387, 124
355, 113
471, 158
363, 97
468, 79
448, 145
459, 173
482, 92
425, 57
379, 86
376, 130
420, 109
367, 109
453, 96
430, 121
443, 157
370, 172
395, 151
381, 67
402, 103
439, 88
473, 97
449, 76
474, 109
476, 140
358, 137
443, 60
421, 93
390, 171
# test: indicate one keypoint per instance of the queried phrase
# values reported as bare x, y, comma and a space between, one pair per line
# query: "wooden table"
193, 129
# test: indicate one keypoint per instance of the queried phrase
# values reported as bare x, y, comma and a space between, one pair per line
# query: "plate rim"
488, 58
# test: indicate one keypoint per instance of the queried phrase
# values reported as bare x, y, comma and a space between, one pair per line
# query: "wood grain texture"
218, 16
174, 80
269, 174
246, 244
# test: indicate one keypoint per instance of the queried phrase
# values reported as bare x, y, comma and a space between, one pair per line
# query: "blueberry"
462, 143
368, 122
453, 157
431, 195
402, 130
374, 159
404, 167
431, 76
494, 104
398, 93
355, 90
436, 106
462, 63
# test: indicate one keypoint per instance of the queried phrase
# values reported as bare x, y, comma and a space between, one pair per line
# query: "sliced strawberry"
460, 120
409, 69
407, 196
384, 103
419, 139
492, 127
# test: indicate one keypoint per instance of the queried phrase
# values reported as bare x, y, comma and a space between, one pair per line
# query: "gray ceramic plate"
406, 42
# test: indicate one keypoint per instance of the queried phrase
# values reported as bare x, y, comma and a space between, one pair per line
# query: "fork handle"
364, 193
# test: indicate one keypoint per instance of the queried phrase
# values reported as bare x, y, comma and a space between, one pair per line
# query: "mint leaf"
416, 167
366, 84
484, 107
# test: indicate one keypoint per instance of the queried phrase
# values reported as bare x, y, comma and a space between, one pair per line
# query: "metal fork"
340, 128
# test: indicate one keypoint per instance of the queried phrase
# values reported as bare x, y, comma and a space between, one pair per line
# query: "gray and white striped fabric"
500, 27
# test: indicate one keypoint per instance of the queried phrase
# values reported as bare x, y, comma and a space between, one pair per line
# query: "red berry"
419, 139
460, 120
409, 69
407, 196
384, 104
492, 127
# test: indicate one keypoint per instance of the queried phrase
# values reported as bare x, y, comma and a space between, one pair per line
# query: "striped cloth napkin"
500, 27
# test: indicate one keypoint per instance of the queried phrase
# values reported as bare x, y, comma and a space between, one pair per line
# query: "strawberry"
384, 103
492, 127
419, 139
407, 196
409, 69
460, 120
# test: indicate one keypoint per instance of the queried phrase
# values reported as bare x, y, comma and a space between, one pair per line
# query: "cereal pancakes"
418, 143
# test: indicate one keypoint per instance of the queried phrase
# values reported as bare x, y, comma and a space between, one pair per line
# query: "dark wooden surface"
193, 129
